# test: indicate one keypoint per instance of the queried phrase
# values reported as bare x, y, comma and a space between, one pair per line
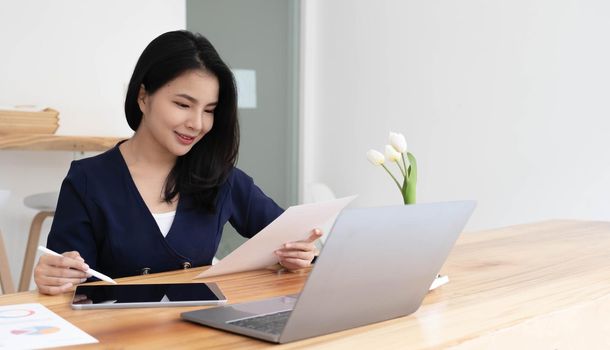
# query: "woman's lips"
185, 139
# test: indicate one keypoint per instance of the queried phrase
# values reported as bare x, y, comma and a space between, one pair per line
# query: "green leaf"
409, 191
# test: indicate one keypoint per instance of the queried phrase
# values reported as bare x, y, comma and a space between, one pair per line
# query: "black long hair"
200, 172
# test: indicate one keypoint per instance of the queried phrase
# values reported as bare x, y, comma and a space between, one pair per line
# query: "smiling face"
180, 113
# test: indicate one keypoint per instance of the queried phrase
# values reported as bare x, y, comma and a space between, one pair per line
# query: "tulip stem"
393, 178
402, 171
406, 172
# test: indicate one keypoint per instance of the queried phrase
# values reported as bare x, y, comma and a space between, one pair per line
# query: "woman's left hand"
299, 254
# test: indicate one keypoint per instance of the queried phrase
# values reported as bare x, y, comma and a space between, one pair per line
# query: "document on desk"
33, 326
294, 224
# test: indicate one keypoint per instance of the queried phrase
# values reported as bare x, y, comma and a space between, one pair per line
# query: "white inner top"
164, 221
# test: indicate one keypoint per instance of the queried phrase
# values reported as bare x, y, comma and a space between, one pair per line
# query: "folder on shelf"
28, 120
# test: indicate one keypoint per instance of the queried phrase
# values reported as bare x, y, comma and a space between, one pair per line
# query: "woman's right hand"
57, 274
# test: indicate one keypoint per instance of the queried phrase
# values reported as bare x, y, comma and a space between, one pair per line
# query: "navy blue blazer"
101, 214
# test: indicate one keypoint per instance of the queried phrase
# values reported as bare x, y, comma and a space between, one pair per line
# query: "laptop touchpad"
283, 303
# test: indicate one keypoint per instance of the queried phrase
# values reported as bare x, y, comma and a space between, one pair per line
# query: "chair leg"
30, 252
6, 280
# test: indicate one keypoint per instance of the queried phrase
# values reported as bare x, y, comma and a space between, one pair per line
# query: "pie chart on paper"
16, 313
36, 330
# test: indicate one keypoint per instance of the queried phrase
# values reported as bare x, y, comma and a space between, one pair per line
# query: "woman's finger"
293, 264
315, 234
59, 281
63, 261
306, 244
295, 254
53, 271
303, 246
74, 255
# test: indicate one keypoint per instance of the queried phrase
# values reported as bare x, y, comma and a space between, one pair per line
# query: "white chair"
45, 203
320, 192
6, 279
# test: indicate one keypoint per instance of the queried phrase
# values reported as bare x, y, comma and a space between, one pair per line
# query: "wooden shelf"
42, 142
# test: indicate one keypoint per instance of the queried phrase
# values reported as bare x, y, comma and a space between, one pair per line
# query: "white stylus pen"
89, 271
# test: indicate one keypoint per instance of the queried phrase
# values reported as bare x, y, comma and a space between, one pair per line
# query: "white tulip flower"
397, 140
396, 152
392, 154
375, 157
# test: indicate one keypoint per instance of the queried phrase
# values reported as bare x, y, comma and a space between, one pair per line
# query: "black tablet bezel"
143, 288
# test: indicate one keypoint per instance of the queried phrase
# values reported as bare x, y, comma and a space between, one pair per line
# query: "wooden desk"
503, 283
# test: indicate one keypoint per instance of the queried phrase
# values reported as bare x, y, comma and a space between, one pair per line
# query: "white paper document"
33, 326
294, 224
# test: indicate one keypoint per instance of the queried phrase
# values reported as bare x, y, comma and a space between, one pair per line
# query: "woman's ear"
142, 98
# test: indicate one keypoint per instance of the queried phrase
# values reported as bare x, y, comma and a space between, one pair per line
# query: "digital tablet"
146, 295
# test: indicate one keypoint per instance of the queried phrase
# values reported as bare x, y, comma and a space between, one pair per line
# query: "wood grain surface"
500, 280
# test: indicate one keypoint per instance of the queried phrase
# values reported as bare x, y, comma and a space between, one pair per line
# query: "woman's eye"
181, 105
210, 111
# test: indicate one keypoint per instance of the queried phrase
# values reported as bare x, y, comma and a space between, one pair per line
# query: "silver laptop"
377, 264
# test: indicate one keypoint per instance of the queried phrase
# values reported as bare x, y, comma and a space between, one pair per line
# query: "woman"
159, 200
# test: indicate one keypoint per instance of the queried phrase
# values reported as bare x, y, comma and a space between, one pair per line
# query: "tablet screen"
147, 295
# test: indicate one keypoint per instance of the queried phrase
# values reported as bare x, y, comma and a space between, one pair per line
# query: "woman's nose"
195, 122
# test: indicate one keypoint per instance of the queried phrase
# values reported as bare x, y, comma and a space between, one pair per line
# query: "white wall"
505, 102
77, 57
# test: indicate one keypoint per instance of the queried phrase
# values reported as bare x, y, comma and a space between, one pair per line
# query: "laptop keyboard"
269, 323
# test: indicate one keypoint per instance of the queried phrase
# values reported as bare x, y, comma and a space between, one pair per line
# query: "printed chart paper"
294, 224
33, 326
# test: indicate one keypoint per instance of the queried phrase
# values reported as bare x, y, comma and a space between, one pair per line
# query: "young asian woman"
158, 201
